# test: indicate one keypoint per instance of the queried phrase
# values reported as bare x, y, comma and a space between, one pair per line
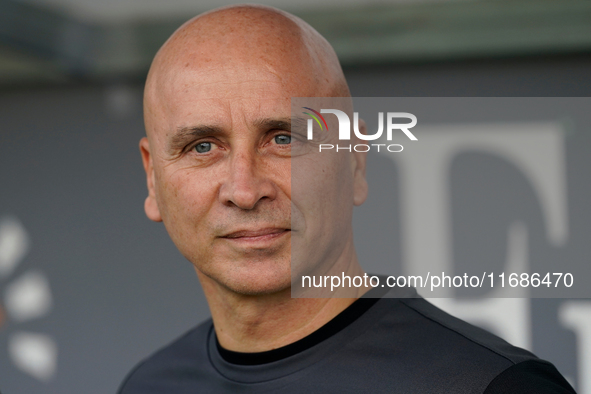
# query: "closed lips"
255, 233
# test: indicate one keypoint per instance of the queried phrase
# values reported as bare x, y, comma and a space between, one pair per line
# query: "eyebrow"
184, 135
270, 124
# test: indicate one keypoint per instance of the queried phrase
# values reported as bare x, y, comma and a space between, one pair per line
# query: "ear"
358, 166
150, 205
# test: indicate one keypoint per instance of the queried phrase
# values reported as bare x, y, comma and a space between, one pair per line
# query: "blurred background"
89, 286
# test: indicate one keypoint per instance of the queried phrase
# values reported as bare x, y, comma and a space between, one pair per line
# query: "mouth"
256, 236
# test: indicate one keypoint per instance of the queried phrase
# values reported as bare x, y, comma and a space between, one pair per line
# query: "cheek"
321, 212
184, 200
321, 190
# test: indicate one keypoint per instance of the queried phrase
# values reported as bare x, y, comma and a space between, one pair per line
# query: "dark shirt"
376, 345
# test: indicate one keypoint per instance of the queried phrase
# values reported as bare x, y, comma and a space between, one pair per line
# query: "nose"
248, 182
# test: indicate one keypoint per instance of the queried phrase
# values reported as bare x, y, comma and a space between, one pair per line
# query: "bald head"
240, 44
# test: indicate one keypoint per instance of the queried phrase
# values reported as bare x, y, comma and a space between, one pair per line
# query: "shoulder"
165, 365
454, 356
461, 334
530, 377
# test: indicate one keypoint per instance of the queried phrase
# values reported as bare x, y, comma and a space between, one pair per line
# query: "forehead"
222, 99
225, 94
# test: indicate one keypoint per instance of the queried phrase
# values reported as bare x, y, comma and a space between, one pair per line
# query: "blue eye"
283, 139
203, 147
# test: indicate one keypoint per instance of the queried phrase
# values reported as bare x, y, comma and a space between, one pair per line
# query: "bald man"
218, 157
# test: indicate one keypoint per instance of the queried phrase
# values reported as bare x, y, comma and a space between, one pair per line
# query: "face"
219, 166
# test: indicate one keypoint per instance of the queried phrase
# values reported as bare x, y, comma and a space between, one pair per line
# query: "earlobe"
151, 204
151, 209
360, 188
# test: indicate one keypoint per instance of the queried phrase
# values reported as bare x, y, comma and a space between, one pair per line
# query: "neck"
257, 323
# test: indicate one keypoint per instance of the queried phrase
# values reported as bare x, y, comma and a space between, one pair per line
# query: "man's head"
218, 149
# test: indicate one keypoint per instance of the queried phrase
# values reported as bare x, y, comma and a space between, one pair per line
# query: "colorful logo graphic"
316, 117
25, 298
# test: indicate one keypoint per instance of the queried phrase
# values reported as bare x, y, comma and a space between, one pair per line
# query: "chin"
248, 277
257, 281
